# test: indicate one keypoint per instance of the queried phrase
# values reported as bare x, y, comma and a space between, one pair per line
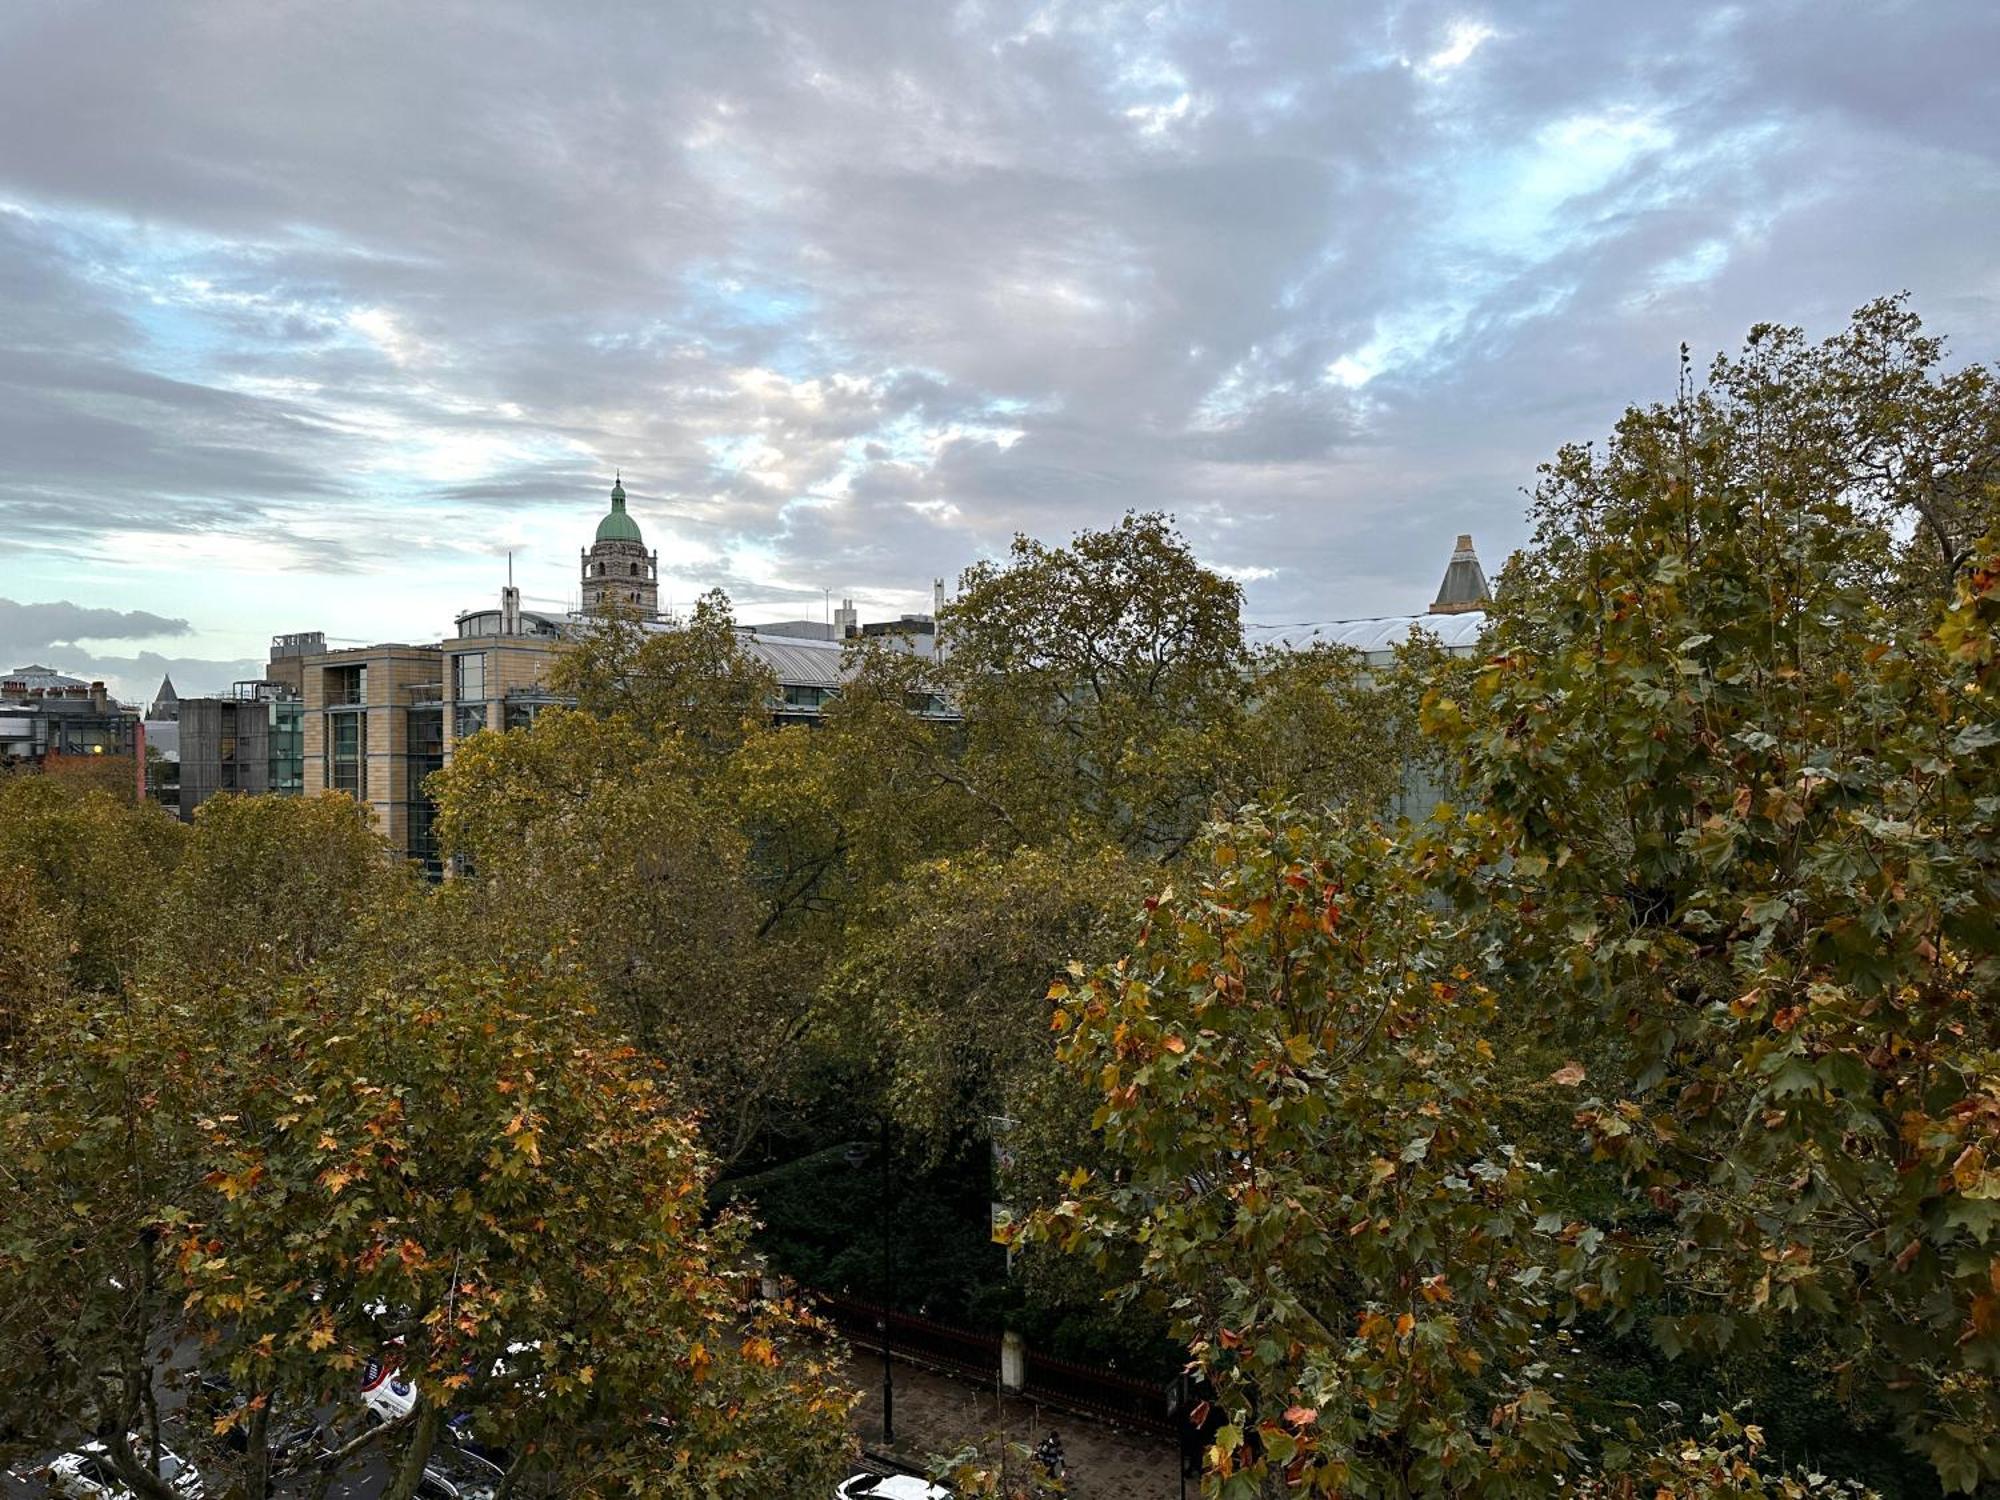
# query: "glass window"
287, 746
470, 719
468, 677
347, 754
346, 685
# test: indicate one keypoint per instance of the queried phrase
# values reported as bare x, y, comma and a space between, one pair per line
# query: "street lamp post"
888, 1284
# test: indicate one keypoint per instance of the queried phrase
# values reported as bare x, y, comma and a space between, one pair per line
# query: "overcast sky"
310, 312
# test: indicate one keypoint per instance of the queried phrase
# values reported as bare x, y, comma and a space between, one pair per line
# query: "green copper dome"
617, 526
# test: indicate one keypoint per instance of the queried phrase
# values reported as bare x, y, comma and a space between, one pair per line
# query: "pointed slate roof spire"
1464, 587
166, 702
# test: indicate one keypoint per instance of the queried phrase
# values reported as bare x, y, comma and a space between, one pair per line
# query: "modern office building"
373, 727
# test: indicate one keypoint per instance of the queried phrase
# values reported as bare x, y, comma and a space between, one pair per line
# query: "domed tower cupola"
617, 568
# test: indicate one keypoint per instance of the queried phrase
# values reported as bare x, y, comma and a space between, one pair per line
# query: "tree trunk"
430, 1419
257, 1465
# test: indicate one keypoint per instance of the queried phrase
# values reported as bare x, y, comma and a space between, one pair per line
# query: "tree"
459, 1170
696, 680
1099, 684
945, 978
96, 1141
1297, 1106
95, 864
605, 857
1712, 939
1736, 835
34, 949
271, 885
1320, 729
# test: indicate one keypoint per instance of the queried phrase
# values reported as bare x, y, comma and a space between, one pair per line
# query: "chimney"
937, 597
846, 621
1464, 588
510, 610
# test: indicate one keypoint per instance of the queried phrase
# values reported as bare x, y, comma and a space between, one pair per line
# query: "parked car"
386, 1391
458, 1477
390, 1394
87, 1473
889, 1487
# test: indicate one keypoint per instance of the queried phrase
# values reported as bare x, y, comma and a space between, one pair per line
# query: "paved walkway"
939, 1414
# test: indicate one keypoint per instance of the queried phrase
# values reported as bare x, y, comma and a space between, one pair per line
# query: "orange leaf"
1300, 1416
1569, 1075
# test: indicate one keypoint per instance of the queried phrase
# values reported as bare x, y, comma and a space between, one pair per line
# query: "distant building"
1464, 588
373, 727
250, 740
617, 568
166, 703
44, 713
1456, 618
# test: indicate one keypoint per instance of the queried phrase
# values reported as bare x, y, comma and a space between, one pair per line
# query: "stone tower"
617, 568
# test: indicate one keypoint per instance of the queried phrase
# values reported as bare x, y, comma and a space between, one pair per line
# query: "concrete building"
495, 666
251, 740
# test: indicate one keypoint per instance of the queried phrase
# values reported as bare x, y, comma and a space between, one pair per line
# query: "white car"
386, 1391
88, 1473
389, 1393
889, 1487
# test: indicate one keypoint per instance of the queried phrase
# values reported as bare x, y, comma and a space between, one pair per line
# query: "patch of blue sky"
186, 293
182, 343
1522, 203
1703, 262
739, 454
716, 293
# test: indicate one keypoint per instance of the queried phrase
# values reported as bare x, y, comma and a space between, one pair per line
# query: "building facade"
45, 714
252, 740
373, 727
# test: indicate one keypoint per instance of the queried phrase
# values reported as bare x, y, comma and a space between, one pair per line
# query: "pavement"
939, 1414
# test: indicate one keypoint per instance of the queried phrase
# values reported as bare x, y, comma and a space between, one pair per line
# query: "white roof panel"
1458, 633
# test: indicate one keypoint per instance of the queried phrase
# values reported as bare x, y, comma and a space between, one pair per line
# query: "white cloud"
1462, 39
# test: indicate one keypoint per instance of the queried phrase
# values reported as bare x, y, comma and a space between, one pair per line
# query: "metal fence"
1084, 1390
917, 1338
1094, 1392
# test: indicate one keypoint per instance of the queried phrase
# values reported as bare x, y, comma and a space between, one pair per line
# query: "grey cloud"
786, 250
50, 635
33, 627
